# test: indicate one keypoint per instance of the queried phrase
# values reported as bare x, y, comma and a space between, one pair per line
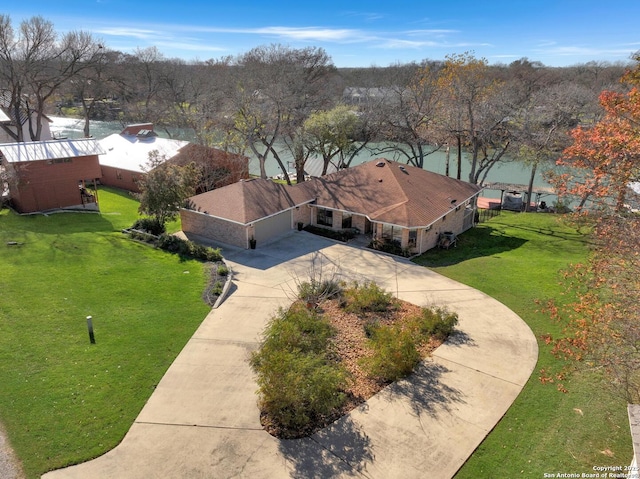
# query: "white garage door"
272, 227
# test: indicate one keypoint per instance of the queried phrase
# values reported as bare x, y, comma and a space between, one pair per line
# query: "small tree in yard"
601, 323
165, 187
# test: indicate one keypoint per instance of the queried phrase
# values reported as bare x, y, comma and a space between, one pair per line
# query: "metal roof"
4, 118
49, 150
128, 152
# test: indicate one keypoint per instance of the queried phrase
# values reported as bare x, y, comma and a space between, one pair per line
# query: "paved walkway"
202, 420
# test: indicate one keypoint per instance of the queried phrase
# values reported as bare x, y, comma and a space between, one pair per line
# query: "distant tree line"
275, 98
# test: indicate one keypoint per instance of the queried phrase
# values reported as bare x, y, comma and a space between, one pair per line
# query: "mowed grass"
516, 258
62, 399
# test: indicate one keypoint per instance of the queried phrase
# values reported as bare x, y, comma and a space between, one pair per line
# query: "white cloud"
581, 51
432, 32
142, 34
309, 33
194, 47
399, 43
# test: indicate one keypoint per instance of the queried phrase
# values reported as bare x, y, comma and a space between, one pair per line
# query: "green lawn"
516, 258
64, 400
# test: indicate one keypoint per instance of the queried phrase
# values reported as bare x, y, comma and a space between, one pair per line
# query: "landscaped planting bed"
320, 360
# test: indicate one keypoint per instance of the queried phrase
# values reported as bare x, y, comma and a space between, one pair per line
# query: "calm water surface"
511, 172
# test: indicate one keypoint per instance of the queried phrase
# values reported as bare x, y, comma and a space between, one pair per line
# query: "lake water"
511, 172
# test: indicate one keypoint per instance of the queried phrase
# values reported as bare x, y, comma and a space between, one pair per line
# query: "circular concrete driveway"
202, 420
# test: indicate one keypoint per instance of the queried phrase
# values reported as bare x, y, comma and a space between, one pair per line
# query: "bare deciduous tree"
35, 62
277, 88
407, 113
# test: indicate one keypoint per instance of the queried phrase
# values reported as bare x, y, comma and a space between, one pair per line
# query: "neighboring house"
47, 175
127, 153
13, 121
375, 95
385, 200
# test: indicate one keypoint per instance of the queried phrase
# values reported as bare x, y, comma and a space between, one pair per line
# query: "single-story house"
383, 199
47, 175
255, 208
127, 153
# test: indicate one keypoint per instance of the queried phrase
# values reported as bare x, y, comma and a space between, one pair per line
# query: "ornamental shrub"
150, 225
394, 353
316, 291
297, 329
298, 383
436, 322
296, 388
367, 297
186, 248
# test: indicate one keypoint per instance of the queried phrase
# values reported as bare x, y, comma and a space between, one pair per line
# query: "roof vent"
404, 170
380, 164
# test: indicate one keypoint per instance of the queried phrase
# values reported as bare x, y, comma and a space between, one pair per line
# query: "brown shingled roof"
390, 192
385, 191
248, 200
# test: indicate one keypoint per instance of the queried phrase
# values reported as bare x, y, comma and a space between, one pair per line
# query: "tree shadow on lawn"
62, 222
556, 236
474, 243
339, 450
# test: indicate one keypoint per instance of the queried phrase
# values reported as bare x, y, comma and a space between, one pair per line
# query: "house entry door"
368, 228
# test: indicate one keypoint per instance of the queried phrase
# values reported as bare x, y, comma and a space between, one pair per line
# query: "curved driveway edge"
202, 420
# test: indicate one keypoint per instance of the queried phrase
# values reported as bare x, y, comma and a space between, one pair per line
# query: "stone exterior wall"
359, 222
302, 215
454, 221
428, 238
214, 228
425, 238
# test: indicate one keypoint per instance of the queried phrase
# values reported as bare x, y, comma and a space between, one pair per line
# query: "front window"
392, 233
325, 217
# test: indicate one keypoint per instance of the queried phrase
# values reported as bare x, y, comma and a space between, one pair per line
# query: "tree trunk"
446, 171
261, 160
285, 173
459, 140
534, 167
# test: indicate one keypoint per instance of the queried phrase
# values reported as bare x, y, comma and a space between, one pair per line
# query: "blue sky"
357, 33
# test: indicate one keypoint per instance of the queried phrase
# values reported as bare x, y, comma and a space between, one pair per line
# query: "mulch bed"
350, 346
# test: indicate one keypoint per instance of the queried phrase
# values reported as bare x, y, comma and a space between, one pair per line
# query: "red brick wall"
45, 185
125, 179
